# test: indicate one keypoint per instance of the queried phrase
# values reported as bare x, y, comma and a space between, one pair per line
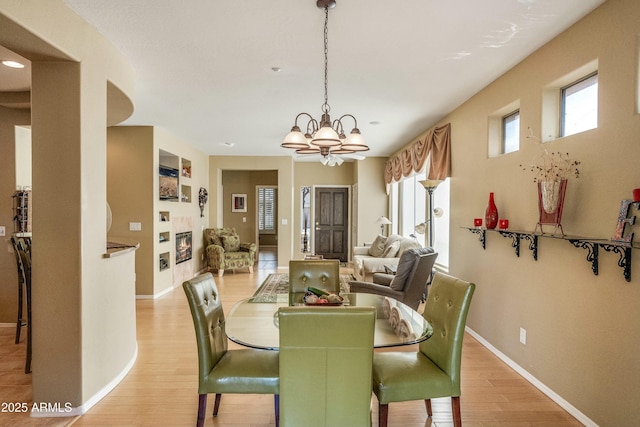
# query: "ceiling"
205, 68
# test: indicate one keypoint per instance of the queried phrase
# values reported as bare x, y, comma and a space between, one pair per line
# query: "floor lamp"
430, 185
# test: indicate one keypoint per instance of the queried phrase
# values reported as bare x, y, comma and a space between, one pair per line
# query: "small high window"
579, 106
511, 132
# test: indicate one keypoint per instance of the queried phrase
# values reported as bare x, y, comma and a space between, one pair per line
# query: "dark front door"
332, 227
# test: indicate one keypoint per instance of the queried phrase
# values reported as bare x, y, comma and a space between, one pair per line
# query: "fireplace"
183, 247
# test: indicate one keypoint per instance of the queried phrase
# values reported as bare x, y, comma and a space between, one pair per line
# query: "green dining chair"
325, 366
321, 274
434, 370
246, 371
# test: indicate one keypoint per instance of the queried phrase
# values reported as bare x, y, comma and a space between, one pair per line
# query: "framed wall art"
238, 203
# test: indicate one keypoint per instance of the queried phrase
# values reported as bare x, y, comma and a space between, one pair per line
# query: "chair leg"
276, 404
216, 404
20, 303
383, 414
27, 368
251, 270
427, 403
455, 409
202, 409
220, 272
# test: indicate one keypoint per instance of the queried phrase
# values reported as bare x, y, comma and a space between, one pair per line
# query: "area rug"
278, 284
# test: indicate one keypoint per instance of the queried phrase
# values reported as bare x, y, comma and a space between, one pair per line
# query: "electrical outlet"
523, 336
3, 230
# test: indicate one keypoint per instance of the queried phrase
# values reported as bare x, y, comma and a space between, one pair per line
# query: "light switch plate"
3, 230
135, 226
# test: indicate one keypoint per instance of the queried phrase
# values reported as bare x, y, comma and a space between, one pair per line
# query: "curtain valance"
434, 144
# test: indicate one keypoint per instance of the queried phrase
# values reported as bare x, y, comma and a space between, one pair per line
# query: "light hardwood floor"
161, 388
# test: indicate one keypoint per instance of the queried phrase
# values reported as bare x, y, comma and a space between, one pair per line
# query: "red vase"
491, 214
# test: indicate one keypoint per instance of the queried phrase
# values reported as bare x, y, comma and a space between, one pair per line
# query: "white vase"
550, 192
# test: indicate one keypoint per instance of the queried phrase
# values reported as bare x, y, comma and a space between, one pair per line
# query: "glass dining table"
255, 324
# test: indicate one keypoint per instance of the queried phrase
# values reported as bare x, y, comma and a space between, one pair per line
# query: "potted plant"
551, 170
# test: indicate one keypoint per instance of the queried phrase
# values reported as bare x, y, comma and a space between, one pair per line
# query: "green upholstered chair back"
446, 309
321, 274
325, 366
208, 320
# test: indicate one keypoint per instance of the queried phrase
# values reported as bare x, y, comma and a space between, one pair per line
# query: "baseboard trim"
155, 296
534, 381
82, 409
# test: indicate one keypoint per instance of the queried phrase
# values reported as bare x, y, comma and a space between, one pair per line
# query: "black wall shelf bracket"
483, 235
533, 244
624, 252
592, 254
515, 242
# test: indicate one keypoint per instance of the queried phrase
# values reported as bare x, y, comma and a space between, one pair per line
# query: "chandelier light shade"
324, 136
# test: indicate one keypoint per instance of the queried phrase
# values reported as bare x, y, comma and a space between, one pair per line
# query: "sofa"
224, 250
384, 251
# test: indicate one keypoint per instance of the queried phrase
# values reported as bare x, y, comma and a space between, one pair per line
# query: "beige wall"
290, 177
582, 329
130, 154
133, 162
85, 325
9, 278
245, 182
283, 166
372, 198
310, 174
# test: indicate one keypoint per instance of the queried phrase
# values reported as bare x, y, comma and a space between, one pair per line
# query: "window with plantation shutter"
267, 209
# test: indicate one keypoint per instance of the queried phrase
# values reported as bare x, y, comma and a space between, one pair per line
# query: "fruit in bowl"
317, 296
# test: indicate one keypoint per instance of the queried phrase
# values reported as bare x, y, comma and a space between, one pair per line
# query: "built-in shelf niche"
186, 168
164, 237
164, 216
165, 261
169, 172
185, 193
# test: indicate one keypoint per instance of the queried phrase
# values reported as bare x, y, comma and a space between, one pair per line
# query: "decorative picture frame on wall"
238, 203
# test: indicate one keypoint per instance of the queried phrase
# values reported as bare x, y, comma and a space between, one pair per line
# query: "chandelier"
325, 137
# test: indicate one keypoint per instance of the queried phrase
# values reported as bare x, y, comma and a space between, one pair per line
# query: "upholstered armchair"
408, 285
224, 250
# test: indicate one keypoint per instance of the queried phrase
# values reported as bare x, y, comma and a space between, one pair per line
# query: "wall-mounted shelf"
592, 245
164, 237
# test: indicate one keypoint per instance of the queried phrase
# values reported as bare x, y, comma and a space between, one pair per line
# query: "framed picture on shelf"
238, 203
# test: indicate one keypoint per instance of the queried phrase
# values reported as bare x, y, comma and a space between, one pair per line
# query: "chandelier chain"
325, 137
326, 107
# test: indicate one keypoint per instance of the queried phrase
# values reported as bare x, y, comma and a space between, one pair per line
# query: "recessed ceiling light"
275, 69
13, 64
227, 144
375, 122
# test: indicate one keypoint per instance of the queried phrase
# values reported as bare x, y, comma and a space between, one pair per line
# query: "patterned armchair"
225, 251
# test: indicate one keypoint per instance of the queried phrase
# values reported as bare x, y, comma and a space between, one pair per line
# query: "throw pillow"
405, 267
377, 247
230, 243
212, 237
392, 250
